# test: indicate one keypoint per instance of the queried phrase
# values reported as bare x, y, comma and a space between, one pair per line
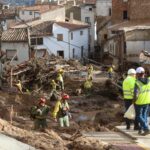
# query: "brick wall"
139, 9
118, 6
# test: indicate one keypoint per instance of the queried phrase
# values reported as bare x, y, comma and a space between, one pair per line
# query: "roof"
20, 34
40, 8
89, 2
72, 26
14, 35
131, 25
8, 14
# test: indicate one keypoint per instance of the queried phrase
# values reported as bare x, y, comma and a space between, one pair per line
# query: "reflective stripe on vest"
144, 93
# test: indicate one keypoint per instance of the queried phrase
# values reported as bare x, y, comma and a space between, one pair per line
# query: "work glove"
39, 111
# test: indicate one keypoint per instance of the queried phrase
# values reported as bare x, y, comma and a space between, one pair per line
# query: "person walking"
142, 100
128, 94
39, 114
90, 72
61, 111
53, 89
60, 81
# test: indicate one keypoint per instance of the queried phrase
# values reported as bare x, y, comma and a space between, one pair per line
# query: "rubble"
36, 74
39, 140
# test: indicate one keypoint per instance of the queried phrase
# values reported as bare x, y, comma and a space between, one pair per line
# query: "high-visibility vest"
143, 93
59, 78
110, 70
87, 84
128, 88
53, 84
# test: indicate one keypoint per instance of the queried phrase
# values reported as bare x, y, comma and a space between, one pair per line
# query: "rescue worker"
39, 114
142, 100
61, 71
110, 71
61, 111
54, 89
128, 94
19, 86
87, 85
60, 81
90, 72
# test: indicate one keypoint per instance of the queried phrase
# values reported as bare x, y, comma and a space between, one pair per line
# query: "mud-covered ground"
99, 111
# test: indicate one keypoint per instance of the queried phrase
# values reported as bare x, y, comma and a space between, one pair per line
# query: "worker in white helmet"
128, 94
142, 100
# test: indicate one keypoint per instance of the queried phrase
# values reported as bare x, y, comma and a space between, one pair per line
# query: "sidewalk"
142, 141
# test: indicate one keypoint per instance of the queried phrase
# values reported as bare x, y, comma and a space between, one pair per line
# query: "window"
59, 37
90, 9
125, 14
81, 32
30, 12
33, 41
73, 53
71, 36
87, 20
60, 53
39, 41
82, 49
36, 41
105, 36
10, 53
22, 12
109, 11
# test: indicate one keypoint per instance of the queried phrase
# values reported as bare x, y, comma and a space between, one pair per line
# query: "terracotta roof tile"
14, 35
20, 34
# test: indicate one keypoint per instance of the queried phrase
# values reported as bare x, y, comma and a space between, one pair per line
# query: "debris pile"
39, 140
37, 72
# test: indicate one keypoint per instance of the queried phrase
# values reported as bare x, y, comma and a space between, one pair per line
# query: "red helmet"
42, 100
65, 96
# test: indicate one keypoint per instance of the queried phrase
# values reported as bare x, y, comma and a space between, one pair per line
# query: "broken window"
59, 37
11, 53
125, 14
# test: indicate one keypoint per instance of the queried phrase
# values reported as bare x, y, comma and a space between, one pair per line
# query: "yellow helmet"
53, 80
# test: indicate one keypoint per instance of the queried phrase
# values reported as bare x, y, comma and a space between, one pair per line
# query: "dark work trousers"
128, 103
142, 116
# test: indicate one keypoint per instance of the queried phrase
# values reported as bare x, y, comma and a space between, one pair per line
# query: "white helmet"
140, 70
131, 71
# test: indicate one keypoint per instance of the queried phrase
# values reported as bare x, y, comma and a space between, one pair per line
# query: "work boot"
140, 132
128, 127
146, 132
136, 128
